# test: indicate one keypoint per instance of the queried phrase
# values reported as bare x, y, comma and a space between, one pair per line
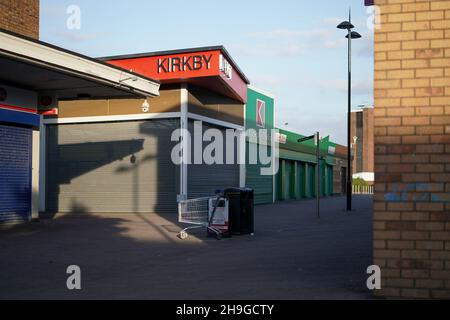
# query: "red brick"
415, 177
386, 235
416, 273
401, 149
415, 216
401, 206
440, 236
440, 216
440, 274
429, 264
429, 284
429, 207
399, 283
398, 244
428, 149
413, 158
415, 139
386, 254
400, 225
440, 294
415, 254
415, 235
430, 245
20, 16
416, 293
386, 216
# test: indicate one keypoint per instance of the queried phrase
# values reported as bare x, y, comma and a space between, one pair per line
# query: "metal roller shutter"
204, 180
112, 167
288, 181
15, 173
301, 180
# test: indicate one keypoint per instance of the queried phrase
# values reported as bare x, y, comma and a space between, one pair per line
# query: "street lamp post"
347, 25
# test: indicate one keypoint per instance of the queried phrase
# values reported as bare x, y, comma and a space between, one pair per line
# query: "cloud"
289, 42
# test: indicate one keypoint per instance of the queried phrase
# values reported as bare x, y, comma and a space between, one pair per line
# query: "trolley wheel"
219, 236
183, 235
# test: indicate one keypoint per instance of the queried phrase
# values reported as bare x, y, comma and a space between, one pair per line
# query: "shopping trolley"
202, 213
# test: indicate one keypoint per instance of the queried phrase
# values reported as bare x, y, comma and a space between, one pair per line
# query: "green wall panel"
261, 184
251, 110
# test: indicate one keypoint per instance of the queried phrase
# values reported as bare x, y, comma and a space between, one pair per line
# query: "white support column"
35, 174
184, 124
242, 153
42, 166
242, 158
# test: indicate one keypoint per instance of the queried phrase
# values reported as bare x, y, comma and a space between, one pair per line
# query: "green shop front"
259, 117
296, 177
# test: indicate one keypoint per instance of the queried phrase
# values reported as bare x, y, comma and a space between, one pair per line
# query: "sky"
290, 48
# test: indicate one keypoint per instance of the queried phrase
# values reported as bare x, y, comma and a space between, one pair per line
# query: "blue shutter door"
15, 173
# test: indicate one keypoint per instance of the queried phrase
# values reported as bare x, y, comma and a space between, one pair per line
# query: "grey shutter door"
203, 179
112, 167
15, 173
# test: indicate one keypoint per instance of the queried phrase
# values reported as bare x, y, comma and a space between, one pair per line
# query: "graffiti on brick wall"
416, 192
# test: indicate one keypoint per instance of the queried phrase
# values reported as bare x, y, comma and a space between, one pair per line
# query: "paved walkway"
292, 256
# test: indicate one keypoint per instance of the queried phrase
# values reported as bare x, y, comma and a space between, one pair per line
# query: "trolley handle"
211, 219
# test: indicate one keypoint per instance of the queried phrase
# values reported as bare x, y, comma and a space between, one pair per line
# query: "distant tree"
360, 182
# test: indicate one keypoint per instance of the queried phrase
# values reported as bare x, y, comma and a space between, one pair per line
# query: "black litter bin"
241, 210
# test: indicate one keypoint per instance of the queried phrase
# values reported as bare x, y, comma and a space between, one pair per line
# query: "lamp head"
345, 25
354, 35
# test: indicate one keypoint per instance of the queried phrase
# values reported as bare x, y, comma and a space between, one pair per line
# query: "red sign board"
174, 67
208, 68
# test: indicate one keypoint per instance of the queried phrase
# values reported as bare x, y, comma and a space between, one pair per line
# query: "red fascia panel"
6, 106
174, 67
187, 67
51, 112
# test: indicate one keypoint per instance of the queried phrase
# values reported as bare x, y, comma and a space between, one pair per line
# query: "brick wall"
365, 143
368, 145
412, 148
20, 16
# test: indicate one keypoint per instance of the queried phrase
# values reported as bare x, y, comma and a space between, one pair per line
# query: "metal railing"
363, 189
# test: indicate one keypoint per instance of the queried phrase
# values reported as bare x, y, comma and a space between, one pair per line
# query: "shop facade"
117, 155
260, 120
48, 74
19, 157
296, 177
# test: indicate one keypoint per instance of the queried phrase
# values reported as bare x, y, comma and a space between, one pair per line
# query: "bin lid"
238, 190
